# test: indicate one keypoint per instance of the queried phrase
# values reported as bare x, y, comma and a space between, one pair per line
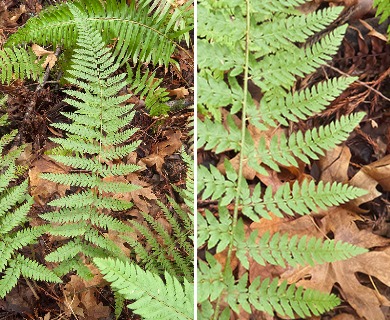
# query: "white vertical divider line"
195, 159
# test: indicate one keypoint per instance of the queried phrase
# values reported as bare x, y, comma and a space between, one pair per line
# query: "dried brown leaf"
180, 93
334, 164
42, 189
366, 301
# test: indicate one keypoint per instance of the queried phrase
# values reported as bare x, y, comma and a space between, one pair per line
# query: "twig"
360, 82
32, 289
30, 107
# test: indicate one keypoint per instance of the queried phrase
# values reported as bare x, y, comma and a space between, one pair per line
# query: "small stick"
360, 82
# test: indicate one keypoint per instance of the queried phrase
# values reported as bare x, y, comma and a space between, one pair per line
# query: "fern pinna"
15, 203
259, 44
97, 140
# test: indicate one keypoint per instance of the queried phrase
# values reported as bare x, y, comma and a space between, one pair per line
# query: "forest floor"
159, 154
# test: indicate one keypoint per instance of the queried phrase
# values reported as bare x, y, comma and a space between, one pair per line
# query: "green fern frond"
31, 269
10, 279
287, 300
3, 119
304, 146
252, 54
96, 139
127, 25
18, 63
15, 204
297, 62
217, 232
283, 29
148, 87
154, 299
282, 249
263, 295
74, 264
302, 104
168, 250
383, 10
300, 198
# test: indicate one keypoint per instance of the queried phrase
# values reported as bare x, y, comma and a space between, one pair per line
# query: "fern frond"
214, 135
302, 104
31, 269
155, 26
15, 204
154, 298
296, 62
302, 146
10, 279
3, 119
288, 299
283, 29
382, 10
96, 139
162, 250
65, 252
74, 264
217, 232
148, 87
300, 198
281, 249
215, 185
252, 56
18, 63
119, 304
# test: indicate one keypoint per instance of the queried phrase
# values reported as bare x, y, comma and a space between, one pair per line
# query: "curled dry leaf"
369, 177
180, 93
163, 149
80, 298
42, 190
51, 58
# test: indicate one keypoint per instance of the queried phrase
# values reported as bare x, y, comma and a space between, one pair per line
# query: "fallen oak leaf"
51, 58
366, 301
180, 93
368, 177
41, 189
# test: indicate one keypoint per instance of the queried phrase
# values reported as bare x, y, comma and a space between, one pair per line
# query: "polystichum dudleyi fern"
156, 24
164, 250
98, 143
15, 203
155, 299
18, 63
257, 44
163, 254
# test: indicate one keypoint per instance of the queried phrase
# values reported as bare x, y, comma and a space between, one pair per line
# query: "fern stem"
227, 269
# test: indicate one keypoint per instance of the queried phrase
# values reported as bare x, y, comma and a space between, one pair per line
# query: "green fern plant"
147, 22
161, 254
165, 251
18, 63
97, 142
155, 299
15, 203
260, 42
